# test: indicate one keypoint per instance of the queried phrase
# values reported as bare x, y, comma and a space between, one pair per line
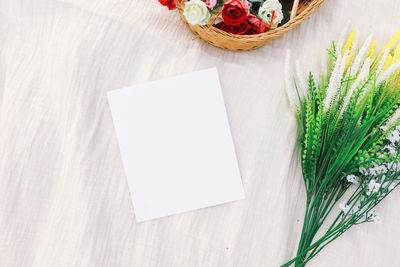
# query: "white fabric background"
64, 200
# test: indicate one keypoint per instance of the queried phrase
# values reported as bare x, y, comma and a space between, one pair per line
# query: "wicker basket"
234, 42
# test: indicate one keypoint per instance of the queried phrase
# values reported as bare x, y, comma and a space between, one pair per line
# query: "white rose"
196, 12
271, 12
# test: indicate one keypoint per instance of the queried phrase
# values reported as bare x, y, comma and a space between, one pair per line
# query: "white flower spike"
383, 61
342, 37
362, 54
301, 83
394, 67
290, 91
364, 73
331, 91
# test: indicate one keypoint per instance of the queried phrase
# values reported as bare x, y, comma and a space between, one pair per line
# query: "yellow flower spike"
396, 54
349, 42
372, 49
349, 59
391, 43
388, 62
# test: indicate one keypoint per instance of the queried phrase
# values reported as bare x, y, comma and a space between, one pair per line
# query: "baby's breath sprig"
349, 133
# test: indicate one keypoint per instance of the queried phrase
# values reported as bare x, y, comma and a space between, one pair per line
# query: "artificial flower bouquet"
242, 25
243, 17
349, 131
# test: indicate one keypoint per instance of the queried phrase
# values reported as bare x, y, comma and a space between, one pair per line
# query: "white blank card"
176, 145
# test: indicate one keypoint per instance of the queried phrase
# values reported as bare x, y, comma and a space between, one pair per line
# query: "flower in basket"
196, 12
256, 25
235, 12
168, 3
233, 16
211, 3
271, 13
236, 29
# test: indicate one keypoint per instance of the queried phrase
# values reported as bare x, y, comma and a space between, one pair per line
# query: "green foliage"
338, 141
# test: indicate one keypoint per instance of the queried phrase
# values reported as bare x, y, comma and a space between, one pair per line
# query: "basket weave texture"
235, 42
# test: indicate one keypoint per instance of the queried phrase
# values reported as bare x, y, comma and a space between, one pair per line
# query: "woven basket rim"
284, 28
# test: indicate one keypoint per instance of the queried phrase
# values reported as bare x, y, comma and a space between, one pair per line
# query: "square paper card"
176, 145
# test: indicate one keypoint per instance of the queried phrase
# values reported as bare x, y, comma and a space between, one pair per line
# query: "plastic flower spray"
349, 134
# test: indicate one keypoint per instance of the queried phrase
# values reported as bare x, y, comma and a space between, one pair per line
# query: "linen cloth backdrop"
64, 200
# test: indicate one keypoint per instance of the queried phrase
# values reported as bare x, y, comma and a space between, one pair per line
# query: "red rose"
256, 25
236, 29
169, 3
234, 12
